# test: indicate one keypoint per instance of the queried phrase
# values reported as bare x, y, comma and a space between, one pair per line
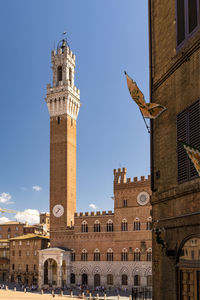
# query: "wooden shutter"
192, 14
194, 132
181, 154
180, 21
188, 130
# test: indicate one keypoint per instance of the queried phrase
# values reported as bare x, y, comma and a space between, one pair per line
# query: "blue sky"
107, 37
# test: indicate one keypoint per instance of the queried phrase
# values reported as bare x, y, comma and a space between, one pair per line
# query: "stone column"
49, 272
59, 275
40, 275
68, 274
90, 281
143, 281
104, 280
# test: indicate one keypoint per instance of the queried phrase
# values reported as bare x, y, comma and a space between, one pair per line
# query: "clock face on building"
58, 210
143, 198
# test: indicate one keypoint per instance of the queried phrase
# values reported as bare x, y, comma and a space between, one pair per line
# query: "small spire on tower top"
63, 43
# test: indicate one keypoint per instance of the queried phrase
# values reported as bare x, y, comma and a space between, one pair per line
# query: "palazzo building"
28, 237
24, 258
174, 28
110, 249
4, 259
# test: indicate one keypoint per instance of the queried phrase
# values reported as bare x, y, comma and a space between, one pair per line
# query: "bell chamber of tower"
63, 101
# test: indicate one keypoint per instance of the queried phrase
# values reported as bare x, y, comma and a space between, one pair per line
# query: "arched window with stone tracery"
149, 254
124, 225
84, 255
84, 226
137, 254
109, 254
136, 225
73, 255
97, 226
96, 255
124, 255
148, 225
109, 226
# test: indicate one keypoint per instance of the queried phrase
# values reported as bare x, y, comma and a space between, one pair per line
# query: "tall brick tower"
63, 101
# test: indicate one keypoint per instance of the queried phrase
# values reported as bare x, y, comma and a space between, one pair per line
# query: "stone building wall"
11, 229
176, 85
4, 259
24, 258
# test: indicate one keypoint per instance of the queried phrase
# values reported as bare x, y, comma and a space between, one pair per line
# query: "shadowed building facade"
175, 83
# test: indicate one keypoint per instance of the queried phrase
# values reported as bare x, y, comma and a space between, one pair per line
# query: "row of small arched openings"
110, 226
110, 255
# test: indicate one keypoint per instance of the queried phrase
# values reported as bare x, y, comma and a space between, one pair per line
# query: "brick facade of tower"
63, 101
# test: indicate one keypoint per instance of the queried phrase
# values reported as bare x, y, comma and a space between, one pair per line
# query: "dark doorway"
97, 280
84, 279
72, 278
19, 279
46, 272
34, 280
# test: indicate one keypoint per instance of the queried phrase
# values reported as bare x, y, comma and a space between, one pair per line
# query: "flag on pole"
193, 154
148, 110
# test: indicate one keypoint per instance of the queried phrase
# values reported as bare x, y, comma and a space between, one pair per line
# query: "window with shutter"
188, 130
180, 21
188, 19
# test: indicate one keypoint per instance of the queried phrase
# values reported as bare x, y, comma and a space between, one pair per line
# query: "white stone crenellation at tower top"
63, 97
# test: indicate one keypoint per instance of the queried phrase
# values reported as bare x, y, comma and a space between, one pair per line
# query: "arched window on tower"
124, 255
137, 254
84, 226
109, 254
59, 73
84, 255
149, 254
96, 255
97, 226
110, 226
70, 76
136, 226
124, 225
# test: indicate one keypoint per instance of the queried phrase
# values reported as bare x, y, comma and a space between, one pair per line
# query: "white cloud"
3, 220
93, 206
5, 198
31, 216
36, 188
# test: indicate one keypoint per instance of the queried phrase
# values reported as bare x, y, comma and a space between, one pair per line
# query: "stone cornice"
176, 192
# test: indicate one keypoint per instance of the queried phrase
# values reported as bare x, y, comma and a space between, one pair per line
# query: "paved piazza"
11, 295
